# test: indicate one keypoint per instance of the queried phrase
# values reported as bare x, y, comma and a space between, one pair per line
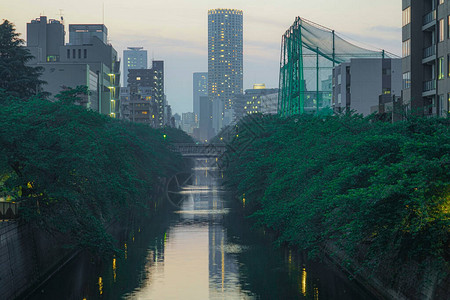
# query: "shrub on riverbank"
378, 191
74, 170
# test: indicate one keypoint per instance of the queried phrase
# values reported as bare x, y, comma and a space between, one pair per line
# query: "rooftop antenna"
61, 16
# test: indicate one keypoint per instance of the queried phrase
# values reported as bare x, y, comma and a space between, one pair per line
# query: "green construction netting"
308, 54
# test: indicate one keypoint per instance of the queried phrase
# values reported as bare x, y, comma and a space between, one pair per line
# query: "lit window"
406, 80
441, 30
406, 48
138, 78
406, 16
441, 68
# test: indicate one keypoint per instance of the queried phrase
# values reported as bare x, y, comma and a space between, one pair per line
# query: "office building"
82, 34
359, 83
44, 39
426, 56
133, 58
188, 122
250, 102
269, 104
200, 88
225, 62
86, 60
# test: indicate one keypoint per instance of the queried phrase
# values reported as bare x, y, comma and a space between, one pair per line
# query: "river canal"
204, 250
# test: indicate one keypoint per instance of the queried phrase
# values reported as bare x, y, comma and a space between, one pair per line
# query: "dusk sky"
176, 31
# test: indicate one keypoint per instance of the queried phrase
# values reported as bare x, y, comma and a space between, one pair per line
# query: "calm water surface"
205, 250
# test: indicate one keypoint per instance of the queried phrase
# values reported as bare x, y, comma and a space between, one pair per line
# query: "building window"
441, 68
74, 53
448, 26
85, 53
448, 65
79, 53
441, 30
406, 48
448, 103
406, 16
441, 2
68, 53
406, 80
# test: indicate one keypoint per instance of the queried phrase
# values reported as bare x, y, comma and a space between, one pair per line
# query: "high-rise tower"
200, 88
133, 58
225, 62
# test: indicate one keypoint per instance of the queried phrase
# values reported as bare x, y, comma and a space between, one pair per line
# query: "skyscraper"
225, 62
200, 88
133, 58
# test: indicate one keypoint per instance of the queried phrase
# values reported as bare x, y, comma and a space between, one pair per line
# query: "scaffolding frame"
309, 52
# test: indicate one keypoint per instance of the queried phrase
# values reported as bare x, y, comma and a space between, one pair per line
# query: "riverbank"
74, 173
373, 194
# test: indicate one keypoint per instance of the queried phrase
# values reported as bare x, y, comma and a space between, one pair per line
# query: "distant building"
426, 57
44, 39
188, 122
206, 130
358, 84
138, 105
269, 104
250, 102
87, 60
133, 58
82, 34
153, 80
177, 119
225, 62
200, 88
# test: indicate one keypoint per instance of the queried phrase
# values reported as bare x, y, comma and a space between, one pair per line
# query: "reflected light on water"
304, 282
114, 269
100, 285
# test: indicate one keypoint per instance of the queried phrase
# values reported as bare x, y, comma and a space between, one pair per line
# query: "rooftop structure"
308, 55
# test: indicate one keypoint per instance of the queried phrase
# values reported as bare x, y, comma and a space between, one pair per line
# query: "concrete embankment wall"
26, 256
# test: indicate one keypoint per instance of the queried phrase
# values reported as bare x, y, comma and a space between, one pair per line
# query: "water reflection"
197, 261
205, 250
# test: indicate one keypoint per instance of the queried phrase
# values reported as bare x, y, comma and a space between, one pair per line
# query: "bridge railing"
200, 149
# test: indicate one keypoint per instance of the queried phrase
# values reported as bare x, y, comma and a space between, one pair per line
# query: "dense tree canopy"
16, 78
373, 189
74, 170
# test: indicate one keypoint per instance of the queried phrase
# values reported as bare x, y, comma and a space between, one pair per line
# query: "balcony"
429, 20
429, 88
429, 54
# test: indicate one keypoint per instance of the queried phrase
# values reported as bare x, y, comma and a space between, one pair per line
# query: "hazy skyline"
176, 31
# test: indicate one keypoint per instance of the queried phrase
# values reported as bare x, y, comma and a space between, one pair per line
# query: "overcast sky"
176, 31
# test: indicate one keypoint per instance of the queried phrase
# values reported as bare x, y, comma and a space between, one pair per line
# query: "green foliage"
369, 187
74, 171
16, 78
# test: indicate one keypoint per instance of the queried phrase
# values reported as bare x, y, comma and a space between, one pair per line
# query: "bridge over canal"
200, 150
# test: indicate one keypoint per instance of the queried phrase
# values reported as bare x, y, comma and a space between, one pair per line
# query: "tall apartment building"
225, 62
86, 60
426, 56
200, 89
153, 80
133, 58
